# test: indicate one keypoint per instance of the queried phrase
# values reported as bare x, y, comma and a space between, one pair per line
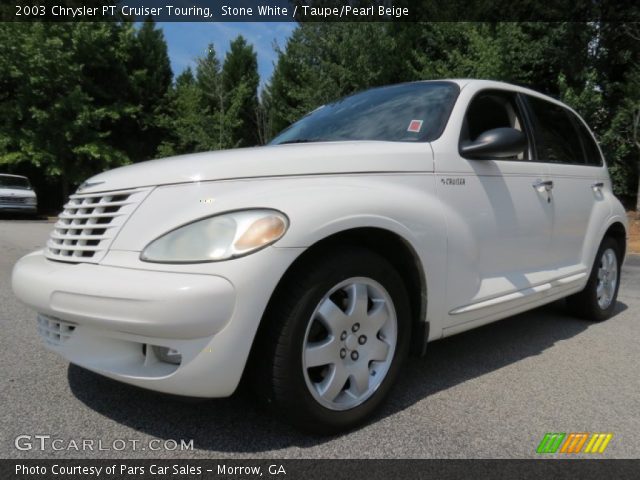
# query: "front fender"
317, 207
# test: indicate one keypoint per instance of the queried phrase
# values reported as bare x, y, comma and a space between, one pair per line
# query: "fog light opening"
167, 355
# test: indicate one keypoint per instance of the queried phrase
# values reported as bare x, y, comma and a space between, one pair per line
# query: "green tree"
59, 109
324, 61
532, 54
617, 59
209, 81
240, 81
218, 108
186, 125
150, 78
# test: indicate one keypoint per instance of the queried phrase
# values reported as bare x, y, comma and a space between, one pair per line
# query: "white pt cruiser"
314, 265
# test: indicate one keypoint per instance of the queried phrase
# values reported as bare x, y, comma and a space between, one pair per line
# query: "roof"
463, 82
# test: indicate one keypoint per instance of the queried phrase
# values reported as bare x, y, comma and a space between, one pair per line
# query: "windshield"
14, 182
409, 112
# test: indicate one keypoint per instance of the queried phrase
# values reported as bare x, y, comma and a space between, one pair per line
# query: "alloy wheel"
607, 278
349, 343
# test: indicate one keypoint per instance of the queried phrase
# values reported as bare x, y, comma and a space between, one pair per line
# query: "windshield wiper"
302, 140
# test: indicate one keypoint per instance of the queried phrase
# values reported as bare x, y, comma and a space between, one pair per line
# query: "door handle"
543, 185
597, 185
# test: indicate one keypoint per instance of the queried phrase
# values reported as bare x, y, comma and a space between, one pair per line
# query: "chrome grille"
13, 200
53, 330
88, 224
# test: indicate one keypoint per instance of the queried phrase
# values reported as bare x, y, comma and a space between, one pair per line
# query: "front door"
498, 215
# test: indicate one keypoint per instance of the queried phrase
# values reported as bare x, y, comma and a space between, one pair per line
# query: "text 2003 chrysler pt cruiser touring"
375, 224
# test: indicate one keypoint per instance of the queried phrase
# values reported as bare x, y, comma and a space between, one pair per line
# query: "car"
312, 267
17, 195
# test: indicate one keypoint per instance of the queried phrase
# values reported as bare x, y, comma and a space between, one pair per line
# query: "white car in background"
17, 195
376, 224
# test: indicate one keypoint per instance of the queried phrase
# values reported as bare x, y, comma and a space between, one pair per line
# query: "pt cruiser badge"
331, 254
453, 181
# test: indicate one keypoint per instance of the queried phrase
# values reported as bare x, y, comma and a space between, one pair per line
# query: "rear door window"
558, 137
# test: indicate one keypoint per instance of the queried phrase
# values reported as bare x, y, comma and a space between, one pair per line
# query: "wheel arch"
387, 244
618, 232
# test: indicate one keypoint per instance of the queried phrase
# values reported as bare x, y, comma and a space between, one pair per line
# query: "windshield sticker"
415, 126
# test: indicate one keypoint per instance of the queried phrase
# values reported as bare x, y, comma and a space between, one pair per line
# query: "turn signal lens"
261, 232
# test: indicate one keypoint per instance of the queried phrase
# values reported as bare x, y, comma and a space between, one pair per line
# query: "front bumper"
112, 314
137, 302
18, 208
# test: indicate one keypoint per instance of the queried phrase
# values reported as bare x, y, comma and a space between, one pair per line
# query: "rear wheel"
340, 330
598, 299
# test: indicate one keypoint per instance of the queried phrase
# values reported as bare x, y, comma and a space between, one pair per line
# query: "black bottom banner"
320, 469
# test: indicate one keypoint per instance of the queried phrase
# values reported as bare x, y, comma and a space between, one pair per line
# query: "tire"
319, 333
597, 301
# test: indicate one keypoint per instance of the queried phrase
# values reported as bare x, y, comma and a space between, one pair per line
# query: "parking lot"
489, 393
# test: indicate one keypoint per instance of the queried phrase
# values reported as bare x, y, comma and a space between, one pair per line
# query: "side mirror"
495, 143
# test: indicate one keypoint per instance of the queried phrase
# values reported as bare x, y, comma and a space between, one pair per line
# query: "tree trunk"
263, 125
638, 193
636, 140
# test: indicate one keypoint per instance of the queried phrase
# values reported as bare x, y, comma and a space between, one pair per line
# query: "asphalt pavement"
489, 393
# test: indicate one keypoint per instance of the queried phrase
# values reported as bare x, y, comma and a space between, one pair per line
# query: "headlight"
31, 201
222, 237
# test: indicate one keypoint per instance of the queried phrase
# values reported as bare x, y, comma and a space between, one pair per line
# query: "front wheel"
341, 328
598, 299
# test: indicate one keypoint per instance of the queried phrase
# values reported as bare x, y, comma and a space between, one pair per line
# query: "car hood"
267, 161
16, 192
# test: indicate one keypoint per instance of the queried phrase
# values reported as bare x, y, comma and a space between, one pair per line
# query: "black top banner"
320, 10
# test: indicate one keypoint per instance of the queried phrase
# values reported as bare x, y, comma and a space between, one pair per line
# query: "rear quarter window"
591, 152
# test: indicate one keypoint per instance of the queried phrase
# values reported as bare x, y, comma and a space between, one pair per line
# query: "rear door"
575, 167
